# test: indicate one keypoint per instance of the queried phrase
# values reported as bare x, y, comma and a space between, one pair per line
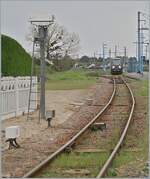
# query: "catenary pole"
139, 43
125, 58
104, 63
115, 50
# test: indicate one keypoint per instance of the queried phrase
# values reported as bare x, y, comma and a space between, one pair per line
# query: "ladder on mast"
33, 93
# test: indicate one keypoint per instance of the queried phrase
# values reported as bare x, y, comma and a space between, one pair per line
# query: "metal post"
142, 43
110, 53
136, 51
146, 52
103, 57
136, 67
139, 43
104, 63
110, 57
115, 50
125, 58
42, 34
94, 58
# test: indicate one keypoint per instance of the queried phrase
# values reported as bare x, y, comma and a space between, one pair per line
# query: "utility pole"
139, 43
136, 51
110, 53
146, 52
104, 63
115, 50
142, 54
94, 58
125, 58
125, 51
110, 60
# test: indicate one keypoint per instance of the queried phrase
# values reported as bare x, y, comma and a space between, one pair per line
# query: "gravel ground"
37, 141
102, 142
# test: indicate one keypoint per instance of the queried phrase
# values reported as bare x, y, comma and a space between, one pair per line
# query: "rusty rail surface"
118, 145
70, 142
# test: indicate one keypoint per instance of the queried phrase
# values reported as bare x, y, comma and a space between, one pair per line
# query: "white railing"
14, 96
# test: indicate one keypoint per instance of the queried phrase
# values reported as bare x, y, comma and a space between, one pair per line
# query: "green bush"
112, 172
15, 60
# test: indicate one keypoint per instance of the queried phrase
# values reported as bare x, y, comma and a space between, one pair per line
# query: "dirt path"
64, 101
61, 101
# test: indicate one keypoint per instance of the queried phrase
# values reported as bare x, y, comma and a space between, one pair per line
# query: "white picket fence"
14, 96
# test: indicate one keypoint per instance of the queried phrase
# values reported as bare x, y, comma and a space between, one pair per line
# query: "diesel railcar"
116, 66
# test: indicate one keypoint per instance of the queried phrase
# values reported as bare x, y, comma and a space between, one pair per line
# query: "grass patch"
68, 80
142, 88
69, 84
111, 172
89, 161
127, 160
123, 158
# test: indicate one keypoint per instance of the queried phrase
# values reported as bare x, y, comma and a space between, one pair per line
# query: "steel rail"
111, 157
70, 142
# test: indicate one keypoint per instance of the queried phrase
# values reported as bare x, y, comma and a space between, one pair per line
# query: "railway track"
122, 137
73, 140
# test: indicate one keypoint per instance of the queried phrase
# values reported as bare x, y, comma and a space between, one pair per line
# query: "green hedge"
15, 60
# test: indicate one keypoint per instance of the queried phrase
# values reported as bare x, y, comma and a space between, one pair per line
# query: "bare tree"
61, 43
70, 45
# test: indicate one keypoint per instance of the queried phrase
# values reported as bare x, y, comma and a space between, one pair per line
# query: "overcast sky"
113, 22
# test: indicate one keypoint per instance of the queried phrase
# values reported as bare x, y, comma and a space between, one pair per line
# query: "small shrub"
112, 172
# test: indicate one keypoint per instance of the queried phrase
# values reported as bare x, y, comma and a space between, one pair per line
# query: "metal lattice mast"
141, 41
42, 27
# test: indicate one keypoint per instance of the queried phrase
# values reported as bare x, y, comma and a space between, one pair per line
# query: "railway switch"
68, 149
98, 125
49, 116
89, 102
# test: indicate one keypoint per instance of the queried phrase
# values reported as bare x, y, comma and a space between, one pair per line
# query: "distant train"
116, 66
